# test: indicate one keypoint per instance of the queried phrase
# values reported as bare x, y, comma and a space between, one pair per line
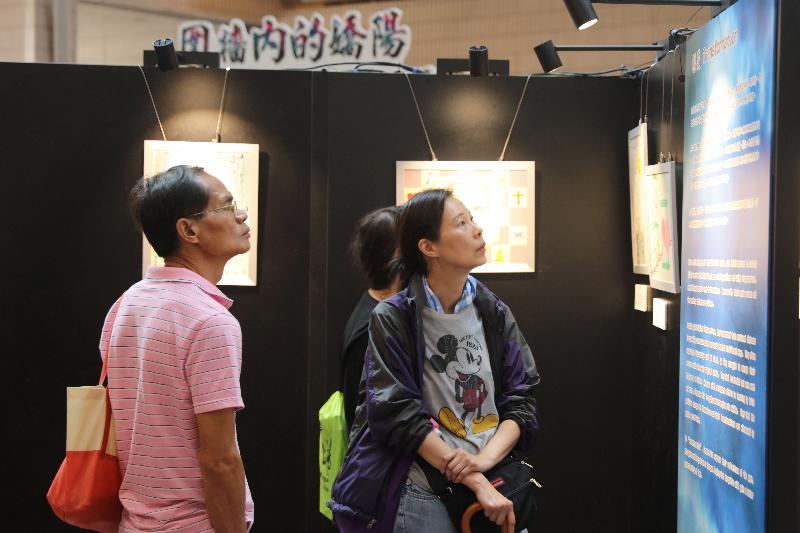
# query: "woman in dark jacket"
374, 245
449, 380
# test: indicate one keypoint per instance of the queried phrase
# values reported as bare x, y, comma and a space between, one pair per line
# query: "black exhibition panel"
77, 149
783, 443
70, 164
575, 310
654, 456
329, 143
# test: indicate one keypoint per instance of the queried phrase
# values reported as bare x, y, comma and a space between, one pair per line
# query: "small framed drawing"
661, 224
500, 195
236, 165
637, 162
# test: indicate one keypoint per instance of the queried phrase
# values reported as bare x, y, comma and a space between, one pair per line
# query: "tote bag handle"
104, 371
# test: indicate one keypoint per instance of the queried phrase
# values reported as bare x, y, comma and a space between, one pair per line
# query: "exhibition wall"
655, 360
783, 443
329, 143
75, 152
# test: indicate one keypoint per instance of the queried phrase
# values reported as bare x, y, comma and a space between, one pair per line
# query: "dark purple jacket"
392, 422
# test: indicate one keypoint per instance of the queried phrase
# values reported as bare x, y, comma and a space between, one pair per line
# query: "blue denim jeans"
421, 511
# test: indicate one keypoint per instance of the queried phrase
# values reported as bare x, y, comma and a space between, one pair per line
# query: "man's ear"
428, 248
187, 230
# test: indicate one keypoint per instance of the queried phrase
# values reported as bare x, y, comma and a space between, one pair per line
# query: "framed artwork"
661, 224
236, 165
637, 162
500, 195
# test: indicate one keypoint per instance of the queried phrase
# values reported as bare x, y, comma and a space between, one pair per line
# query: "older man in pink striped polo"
175, 358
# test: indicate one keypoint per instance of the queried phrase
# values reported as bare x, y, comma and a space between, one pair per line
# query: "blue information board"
728, 132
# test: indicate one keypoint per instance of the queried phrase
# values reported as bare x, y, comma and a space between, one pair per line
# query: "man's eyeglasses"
230, 207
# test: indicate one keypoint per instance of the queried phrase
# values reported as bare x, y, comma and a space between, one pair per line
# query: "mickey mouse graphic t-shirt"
458, 388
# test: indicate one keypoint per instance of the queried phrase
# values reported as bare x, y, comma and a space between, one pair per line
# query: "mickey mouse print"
459, 384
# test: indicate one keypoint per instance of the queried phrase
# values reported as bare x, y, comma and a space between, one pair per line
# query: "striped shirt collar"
467, 296
184, 275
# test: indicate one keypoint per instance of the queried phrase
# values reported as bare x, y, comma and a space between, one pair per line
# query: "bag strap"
104, 371
107, 425
104, 376
437, 481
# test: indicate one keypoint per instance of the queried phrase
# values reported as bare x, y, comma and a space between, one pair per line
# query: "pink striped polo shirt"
176, 351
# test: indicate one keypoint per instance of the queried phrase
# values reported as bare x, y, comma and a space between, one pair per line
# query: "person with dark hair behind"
373, 249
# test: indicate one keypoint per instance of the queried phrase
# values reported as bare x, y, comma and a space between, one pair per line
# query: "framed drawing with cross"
500, 195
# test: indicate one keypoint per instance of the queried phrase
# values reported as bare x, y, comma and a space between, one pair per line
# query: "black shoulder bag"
511, 477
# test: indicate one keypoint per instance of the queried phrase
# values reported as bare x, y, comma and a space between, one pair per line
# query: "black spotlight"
478, 61
166, 58
582, 13
548, 56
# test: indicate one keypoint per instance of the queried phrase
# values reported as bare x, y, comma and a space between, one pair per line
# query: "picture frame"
662, 222
501, 195
236, 165
637, 163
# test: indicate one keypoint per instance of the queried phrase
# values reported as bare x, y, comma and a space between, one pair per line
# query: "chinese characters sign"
307, 43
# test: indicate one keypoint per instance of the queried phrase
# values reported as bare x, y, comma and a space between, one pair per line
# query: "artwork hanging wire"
235, 164
653, 198
499, 194
425, 130
218, 134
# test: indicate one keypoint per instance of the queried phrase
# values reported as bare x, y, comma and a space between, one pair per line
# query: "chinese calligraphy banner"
310, 42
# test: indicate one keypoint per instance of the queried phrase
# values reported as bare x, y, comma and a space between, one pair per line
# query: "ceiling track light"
547, 52
584, 16
166, 58
582, 13
478, 61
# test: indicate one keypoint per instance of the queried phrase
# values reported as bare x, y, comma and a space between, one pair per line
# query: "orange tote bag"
85, 491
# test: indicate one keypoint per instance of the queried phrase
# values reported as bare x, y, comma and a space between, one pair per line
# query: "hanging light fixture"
548, 56
582, 13
478, 61
166, 57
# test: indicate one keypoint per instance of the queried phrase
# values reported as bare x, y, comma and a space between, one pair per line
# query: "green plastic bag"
332, 447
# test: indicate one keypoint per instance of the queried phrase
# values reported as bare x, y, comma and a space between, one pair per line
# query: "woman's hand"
496, 507
459, 464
